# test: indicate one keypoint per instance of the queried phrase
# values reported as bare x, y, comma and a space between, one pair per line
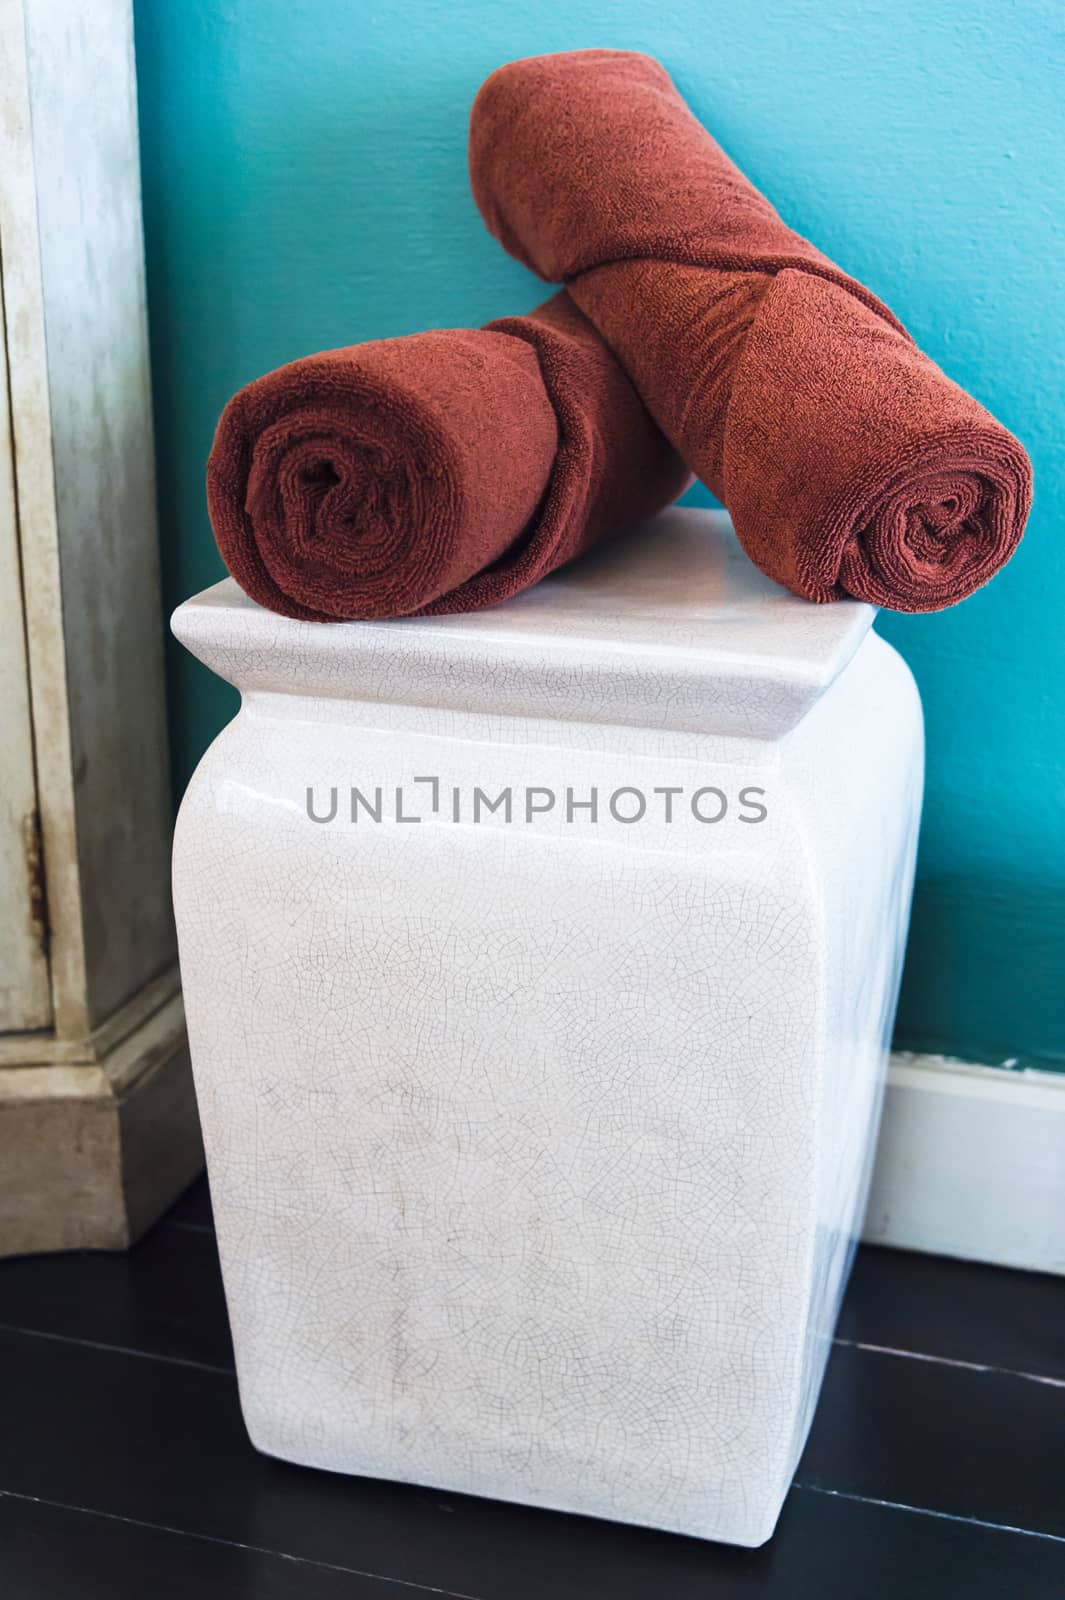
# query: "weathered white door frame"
25, 985
97, 1119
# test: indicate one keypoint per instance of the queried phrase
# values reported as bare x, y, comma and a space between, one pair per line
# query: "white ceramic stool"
540, 1075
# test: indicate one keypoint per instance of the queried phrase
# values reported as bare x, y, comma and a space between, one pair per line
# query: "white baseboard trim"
971, 1163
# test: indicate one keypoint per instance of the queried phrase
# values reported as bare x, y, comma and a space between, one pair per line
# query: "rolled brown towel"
439, 472
851, 465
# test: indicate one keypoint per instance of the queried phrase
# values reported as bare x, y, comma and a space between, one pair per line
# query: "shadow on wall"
984, 952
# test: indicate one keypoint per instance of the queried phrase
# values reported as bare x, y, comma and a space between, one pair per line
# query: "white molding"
91, 1154
971, 1163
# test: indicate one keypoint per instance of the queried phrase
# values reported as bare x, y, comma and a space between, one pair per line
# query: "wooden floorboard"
164, 1298
958, 1310
988, 1445
125, 1469
55, 1553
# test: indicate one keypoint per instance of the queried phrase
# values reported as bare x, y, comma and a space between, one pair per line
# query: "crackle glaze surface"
538, 1143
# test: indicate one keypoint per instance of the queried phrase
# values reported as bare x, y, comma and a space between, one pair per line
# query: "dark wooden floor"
936, 1466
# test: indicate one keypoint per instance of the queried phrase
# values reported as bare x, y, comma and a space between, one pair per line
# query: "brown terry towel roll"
851, 464
434, 473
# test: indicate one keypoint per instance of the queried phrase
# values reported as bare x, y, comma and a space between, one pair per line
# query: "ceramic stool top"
668, 626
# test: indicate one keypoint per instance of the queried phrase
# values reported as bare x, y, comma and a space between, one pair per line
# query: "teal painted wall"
305, 187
